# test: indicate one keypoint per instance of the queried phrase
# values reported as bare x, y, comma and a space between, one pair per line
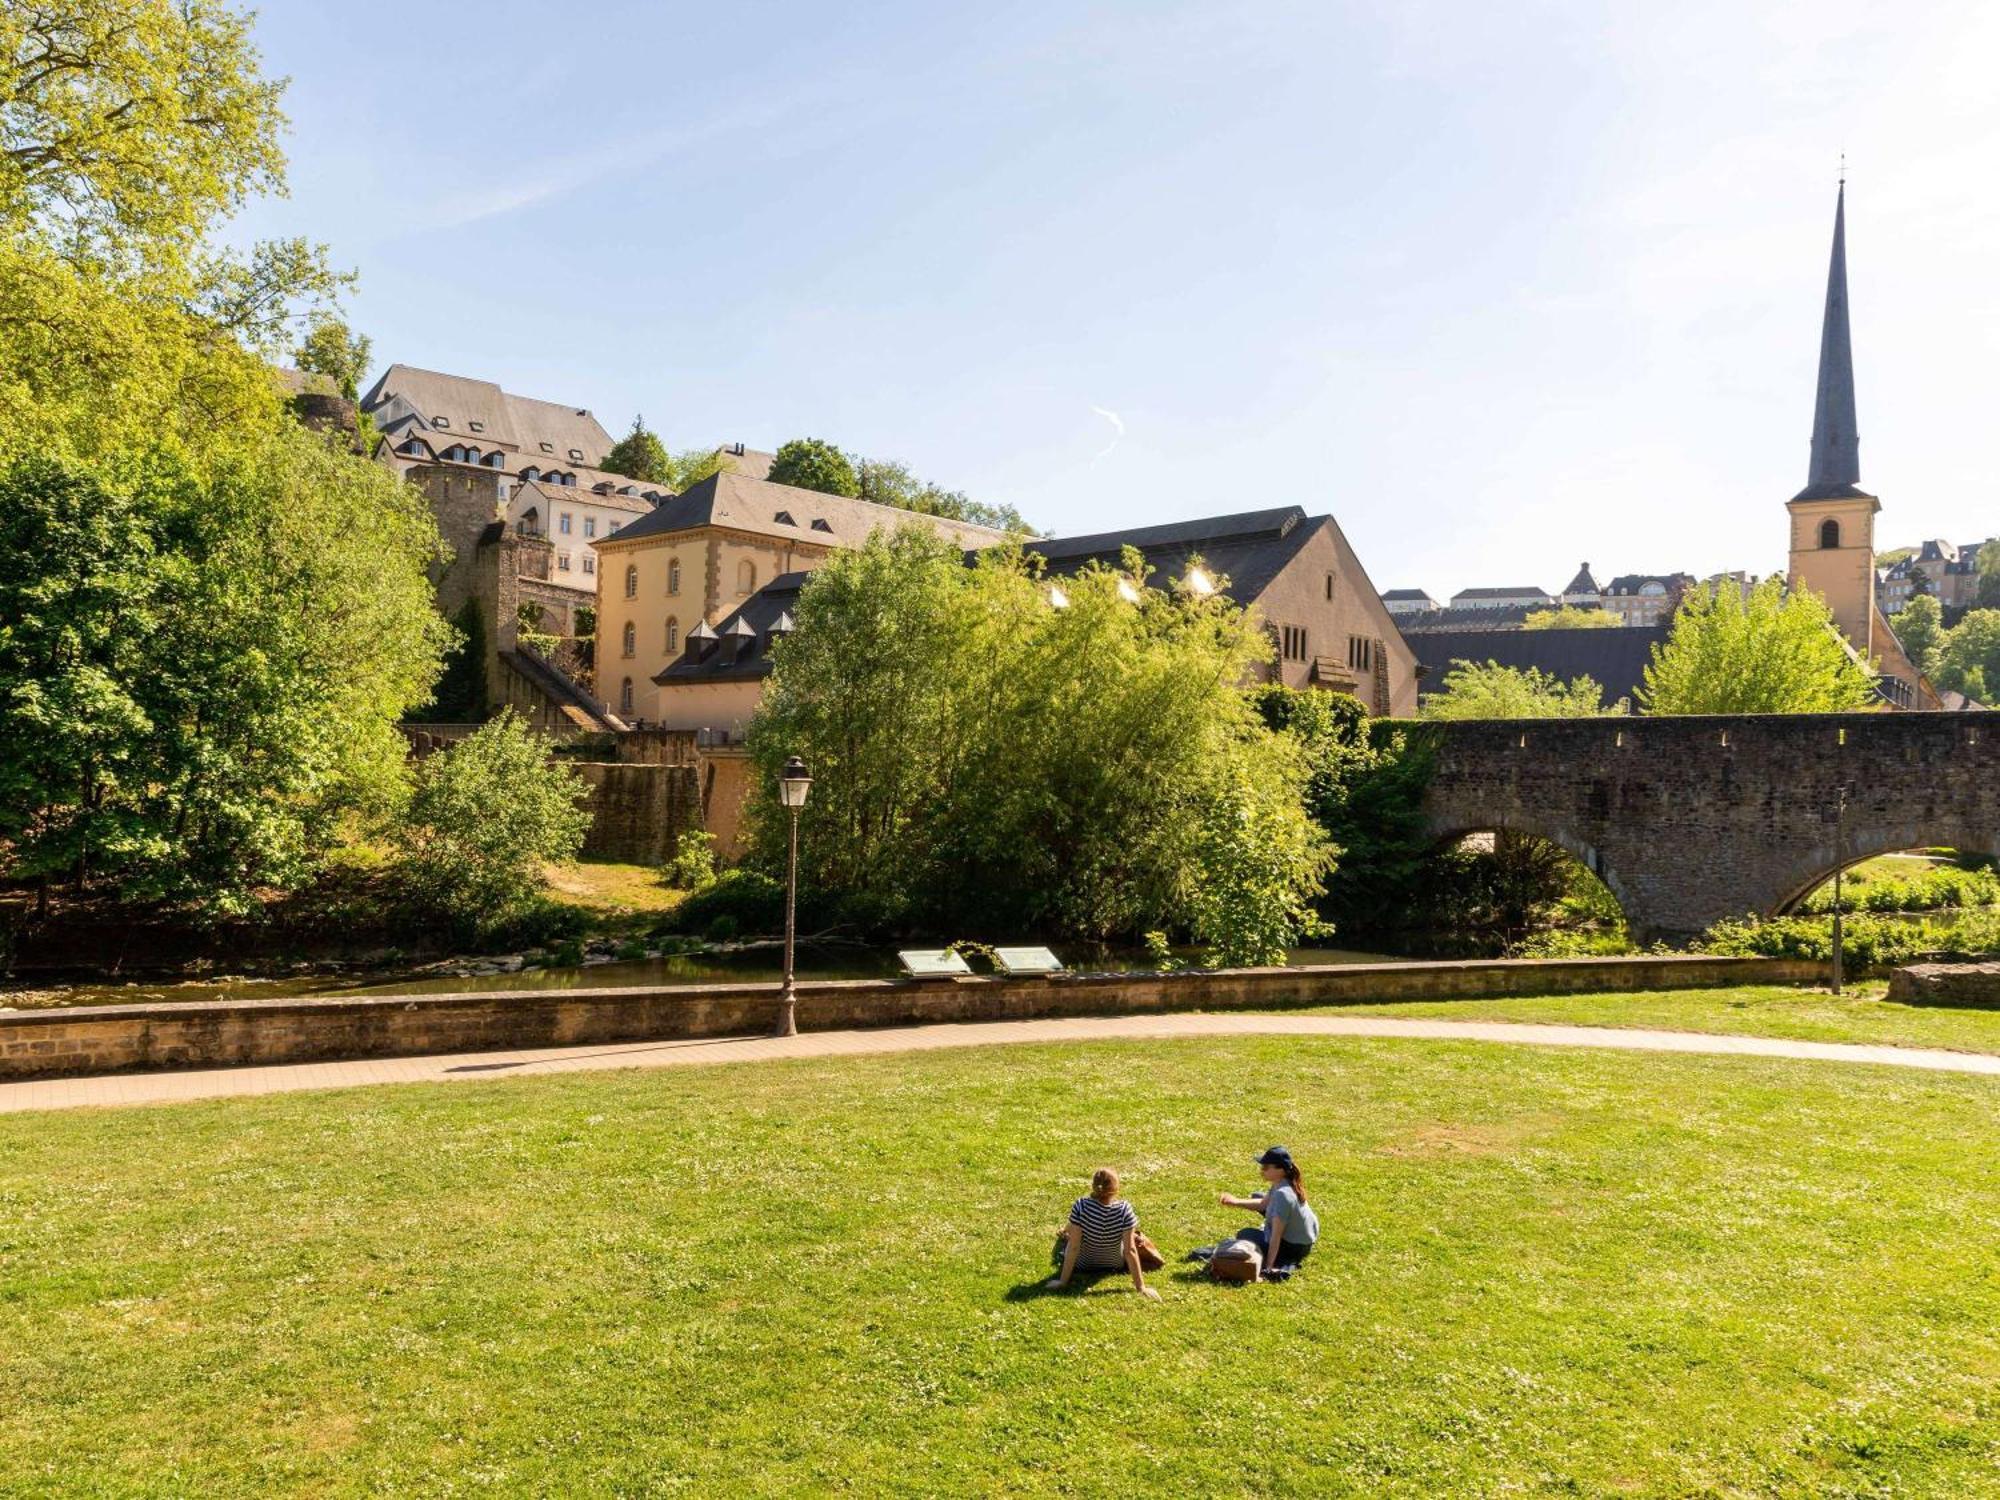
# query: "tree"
1968, 657
1775, 652
1027, 759
1491, 691
332, 349
1920, 631
640, 455
887, 482
461, 690
1569, 618
77, 606
128, 132
130, 127
482, 819
1987, 592
278, 625
812, 464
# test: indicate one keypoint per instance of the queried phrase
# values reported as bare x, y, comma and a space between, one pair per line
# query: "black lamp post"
1839, 868
793, 784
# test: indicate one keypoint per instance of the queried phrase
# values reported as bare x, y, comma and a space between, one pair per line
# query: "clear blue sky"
1504, 287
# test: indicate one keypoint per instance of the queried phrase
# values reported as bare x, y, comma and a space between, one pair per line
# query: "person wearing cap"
1290, 1227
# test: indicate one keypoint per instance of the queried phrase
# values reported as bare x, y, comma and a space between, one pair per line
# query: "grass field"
1544, 1273
1860, 1015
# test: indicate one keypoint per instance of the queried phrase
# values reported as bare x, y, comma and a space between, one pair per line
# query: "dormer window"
784, 518
548, 447
476, 426
820, 525
439, 422
576, 455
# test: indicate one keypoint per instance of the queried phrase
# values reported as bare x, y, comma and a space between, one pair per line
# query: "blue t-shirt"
1301, 1223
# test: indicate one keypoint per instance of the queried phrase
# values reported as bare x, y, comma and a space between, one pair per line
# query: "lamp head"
794, 782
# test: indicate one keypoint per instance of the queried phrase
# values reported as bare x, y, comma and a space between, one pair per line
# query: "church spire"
1836, 451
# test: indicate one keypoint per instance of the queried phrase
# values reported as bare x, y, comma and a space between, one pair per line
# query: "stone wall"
102, 1039
1691, 820
637, 812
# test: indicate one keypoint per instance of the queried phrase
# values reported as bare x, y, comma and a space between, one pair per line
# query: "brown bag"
1235, 1260
1150, 1258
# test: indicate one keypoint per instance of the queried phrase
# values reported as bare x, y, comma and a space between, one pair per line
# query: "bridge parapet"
1690, 820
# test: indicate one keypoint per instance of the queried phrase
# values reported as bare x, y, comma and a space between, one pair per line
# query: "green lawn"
1861, 1015
1544, 1273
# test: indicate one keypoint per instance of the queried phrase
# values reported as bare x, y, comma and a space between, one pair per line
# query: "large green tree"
887, 482
1474, 690
814, 464
190, 711
1968, 656
640, 455
997, 755
1775, 652
1987, 595
332, 349
1920, 631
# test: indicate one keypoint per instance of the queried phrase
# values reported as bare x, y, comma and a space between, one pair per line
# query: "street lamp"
793, 784
1839, 868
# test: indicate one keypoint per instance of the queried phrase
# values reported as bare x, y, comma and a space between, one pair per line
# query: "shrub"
736, 901
692, 864
1866, 941
482, 819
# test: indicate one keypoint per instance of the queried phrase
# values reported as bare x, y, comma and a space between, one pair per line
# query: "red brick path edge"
246, 1033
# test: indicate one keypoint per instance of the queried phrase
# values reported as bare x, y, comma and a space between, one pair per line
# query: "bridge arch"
1871, 844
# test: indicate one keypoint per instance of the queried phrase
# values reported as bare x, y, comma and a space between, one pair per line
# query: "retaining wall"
102, 1039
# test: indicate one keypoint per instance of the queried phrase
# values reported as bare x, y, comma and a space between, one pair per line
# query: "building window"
746, 577
631, 580
673, 635
674, 576
1293, 643
590, 526
1360, 653
562, 523
476, 426
1329, 585
589, 562
562, 562
577, 454
630, 642
548, 447
439, 422
625, 696
1829, 534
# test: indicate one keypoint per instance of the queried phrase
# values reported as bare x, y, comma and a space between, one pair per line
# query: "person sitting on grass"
1102, 1235
1290, 1227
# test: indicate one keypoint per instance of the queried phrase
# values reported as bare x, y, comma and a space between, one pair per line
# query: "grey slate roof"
1248, 549
1478, 618
1401, 594
522, 423
741, 650
1526, 590
1583, 583
741, 503
1835, 471
1614, 656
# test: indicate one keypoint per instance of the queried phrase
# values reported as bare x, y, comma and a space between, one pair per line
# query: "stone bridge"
1690, 820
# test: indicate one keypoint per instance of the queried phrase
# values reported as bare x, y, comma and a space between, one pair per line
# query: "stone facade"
1975, 985
1692, 820
231, 1033
638, 811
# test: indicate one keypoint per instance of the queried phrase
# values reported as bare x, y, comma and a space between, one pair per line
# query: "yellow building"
692, 562
1833, 518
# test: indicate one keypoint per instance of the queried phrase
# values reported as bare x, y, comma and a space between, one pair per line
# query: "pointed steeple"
1836, 448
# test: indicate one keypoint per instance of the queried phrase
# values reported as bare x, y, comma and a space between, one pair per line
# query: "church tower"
1833, 518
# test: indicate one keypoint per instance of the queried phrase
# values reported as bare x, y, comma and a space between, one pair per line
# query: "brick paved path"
160, 1088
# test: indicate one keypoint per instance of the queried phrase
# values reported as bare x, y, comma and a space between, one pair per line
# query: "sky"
1504, 288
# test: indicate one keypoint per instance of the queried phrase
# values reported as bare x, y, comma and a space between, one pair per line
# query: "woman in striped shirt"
1102, 1235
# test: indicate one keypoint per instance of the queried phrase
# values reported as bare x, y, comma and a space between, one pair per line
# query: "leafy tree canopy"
194, 680
992, 757
1968, 656
640, 455
1569, 617
483, 818
332, 349
887, 482
1920, 630
1775, 652
1470, 690
813, 464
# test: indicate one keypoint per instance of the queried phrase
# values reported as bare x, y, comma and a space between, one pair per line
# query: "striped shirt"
1103, 1226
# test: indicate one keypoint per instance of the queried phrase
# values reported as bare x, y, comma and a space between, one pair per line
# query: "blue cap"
1277, 1156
